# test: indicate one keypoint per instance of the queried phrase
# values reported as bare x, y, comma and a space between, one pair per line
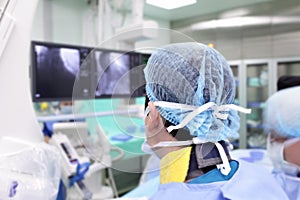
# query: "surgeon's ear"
154, 115
153, 122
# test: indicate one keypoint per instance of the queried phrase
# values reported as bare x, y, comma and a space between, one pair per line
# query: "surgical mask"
147, 148
275, 151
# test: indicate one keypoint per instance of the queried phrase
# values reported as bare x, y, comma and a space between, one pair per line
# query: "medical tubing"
112, 182
120, 156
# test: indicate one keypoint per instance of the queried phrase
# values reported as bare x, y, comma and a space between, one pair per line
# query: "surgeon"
282, 123
191, 90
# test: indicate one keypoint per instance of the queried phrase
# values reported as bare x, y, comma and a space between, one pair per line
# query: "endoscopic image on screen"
55, 71
113, 70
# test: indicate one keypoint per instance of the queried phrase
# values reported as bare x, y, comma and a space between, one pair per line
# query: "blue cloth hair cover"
193, 74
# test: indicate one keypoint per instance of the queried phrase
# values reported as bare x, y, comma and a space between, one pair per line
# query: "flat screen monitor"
137, 75
66, 72
55, 68
113, 70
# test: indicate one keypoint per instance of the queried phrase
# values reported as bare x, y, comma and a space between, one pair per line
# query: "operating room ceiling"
202, 7
257, 17
205, 10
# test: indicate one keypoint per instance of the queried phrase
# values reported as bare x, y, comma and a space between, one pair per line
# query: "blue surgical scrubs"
290, 184
249, 181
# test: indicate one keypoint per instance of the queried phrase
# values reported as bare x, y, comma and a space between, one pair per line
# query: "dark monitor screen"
137, 76
120, 74
54, 70
66, 72
113, 69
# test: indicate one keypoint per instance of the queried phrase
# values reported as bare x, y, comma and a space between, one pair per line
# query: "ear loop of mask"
290, 168
275, 150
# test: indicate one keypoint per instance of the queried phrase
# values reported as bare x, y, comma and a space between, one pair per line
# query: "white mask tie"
225, 166
197, 110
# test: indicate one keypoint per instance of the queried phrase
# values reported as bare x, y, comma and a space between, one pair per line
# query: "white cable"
112, 182
120, 156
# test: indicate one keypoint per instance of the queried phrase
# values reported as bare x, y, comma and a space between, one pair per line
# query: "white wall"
59, 21
68, 23
37, 26
67, 20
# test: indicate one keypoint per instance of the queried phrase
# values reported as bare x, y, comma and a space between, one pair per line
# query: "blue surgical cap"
193, 74
282, 113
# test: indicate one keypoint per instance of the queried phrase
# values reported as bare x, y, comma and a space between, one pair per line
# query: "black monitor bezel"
33, 72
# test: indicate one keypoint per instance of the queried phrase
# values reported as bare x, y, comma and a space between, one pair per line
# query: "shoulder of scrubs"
146, 189
290, 184
250, 181
256, 156
188, 191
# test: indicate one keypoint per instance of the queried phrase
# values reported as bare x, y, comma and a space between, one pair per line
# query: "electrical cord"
120, 156
111, 182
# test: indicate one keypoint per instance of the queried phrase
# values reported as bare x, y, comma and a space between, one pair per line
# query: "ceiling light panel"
170, 4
